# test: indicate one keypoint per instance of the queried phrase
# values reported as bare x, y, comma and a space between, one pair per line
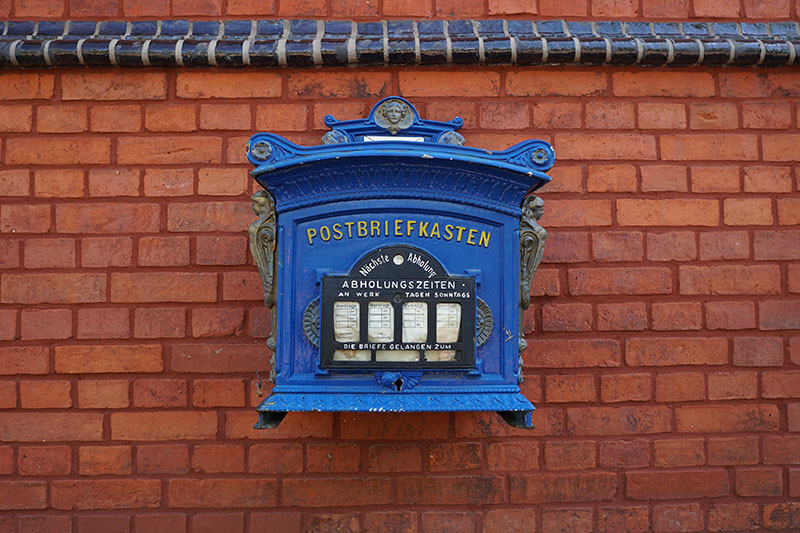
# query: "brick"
170, 117
282, 117
15, 182
732, 385
116, 182
24, 218
729, 279
676, 484
106, 494
45, 394
570, 388
550, 115
44, 524
733, 451
213, 522
778, 147
726, 418
671, 246
28, 85
107, 218
547, 488
449, 84
766, 115
504, 115
572, 519
47, 427
569, 455
794, 350
672, 212
447, 521
52, 288
503, 520
575, 353
225, 117
661, 116
667, 351
162, 459
679, 452
726, 245
547, 422
169, 150
103, 323
275, 458
570, 213
8, 398
334, 458
164, 251
346, 523
9, 253
794, 482
624, 453
239, 286
719, 146
46, 324
61, 119
24, 360
625, 387
208, 216
671, 84
155, 287
618, 420
351, 110
159, 393
58, 183
98, 252
16, 495
113, 86
788, 211
561, 8
216, 359
546, 282
215, 250
168, 182
339, 85
49, 253
782, 384
512, 456
44, 460
621, 280
623, 519
779, 315
163, 425
222, 182
567, 317
395, 458
759, 482
782, 515
715, 179
555, 83
610, 115
16, 118
115, 118
324, 492
776, 245
103, 394
679, 517
218, 393
730, 315
394, 426
621, 317
239, 425
454, 457
590, 146
100, 460
616, 246
104, 524
76, 359
218, 458
154, 323
713, 116
680, 387
758, 351
754, 9
747, 212
768, 179
733, 516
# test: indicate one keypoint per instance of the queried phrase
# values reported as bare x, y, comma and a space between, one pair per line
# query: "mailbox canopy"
388, 234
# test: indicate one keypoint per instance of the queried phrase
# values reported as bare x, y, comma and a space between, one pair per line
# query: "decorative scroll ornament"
263, 237
531, 249
311, 322
394, 115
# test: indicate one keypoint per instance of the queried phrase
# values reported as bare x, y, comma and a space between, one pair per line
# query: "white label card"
415, 322
381, 322
346, 321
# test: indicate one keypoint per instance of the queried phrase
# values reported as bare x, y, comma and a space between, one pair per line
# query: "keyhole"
398, 384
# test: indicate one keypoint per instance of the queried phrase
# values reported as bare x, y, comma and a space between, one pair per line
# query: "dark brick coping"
304, 42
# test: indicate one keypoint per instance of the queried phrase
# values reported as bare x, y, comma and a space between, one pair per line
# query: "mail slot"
397, 263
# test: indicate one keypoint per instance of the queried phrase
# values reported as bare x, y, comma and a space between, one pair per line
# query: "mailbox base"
513, 407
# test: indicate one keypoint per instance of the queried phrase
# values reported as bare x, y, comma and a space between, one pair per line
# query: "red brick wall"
664, 354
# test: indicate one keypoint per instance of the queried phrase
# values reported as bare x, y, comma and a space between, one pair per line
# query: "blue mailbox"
397, 263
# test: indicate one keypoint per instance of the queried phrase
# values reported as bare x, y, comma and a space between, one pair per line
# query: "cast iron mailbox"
397, 263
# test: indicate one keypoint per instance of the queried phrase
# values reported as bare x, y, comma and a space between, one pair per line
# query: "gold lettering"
398, 229
349, 229
410, 227
448, 232
374, 228
423, 229
484, 240
470, 236
337, 231
362, 228
460, 231
311, 234
323, 231
386, 226
435, 231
